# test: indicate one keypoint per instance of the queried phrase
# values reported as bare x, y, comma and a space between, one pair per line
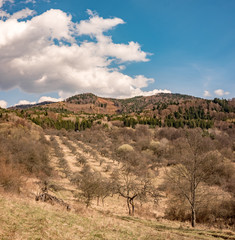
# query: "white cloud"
49, 99
43, 55
30, 1
220, 92
2, 2
207, 94
139, 92
41, 99
141, 81
95, 25
122, 67
24, 102
23, 14
3, 104
4, 14
35, 1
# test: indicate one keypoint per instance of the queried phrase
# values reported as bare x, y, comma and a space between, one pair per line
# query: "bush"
10, 177
125, 148
23, 151
214, 207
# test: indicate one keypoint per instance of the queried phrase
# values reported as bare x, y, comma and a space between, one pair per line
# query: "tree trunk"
133, 207
193, 219
128, 205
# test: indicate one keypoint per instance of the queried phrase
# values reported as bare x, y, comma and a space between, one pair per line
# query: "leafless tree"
92, 185
131, 186
196, 163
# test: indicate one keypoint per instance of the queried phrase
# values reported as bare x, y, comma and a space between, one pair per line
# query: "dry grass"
72, 150
69, 156
24, 219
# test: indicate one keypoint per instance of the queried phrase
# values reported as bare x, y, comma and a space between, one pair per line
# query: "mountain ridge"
91, 103
90, 98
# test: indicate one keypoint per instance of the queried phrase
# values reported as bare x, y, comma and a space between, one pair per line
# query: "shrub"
10, 177
212, 209
23, 150
125, 148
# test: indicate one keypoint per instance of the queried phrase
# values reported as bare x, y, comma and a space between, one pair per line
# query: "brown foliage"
199, 166
216, 208
23, 150
10, 177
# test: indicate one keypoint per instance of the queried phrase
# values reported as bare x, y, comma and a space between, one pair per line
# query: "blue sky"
133, 47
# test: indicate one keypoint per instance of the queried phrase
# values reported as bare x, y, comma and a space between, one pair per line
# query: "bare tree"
87, 183
92, 185
104, 189
130, 186
197, 161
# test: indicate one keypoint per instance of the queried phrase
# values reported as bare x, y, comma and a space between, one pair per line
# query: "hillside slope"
163, 110
68, 156
23, 218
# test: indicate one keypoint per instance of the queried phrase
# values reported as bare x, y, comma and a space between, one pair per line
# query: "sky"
53, 49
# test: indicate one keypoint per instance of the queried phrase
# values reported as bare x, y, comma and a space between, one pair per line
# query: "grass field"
26, 219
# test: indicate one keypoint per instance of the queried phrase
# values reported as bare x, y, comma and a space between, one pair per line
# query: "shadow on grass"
199, 234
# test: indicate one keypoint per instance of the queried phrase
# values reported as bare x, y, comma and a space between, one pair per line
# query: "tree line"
59, 123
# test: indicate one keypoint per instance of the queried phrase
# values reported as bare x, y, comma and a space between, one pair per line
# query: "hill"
129, 105
26, 106
113, 178
91, 103
163, 110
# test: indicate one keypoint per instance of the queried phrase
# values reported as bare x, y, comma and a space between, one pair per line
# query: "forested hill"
129, 105
91, 103
163, 110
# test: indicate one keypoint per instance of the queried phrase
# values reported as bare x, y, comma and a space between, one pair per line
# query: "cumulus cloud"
3, 104
41, 99
44, 54
207, 94
139, 92
49, 99
4, 15
23, 14
24, 102
95, 25
2, 2
220, 92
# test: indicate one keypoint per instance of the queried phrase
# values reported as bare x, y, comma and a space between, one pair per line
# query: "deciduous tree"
196, 163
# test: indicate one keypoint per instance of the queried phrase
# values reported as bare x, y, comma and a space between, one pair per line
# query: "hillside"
114, 180
23, 219
91, 103
161, 110
129, 105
